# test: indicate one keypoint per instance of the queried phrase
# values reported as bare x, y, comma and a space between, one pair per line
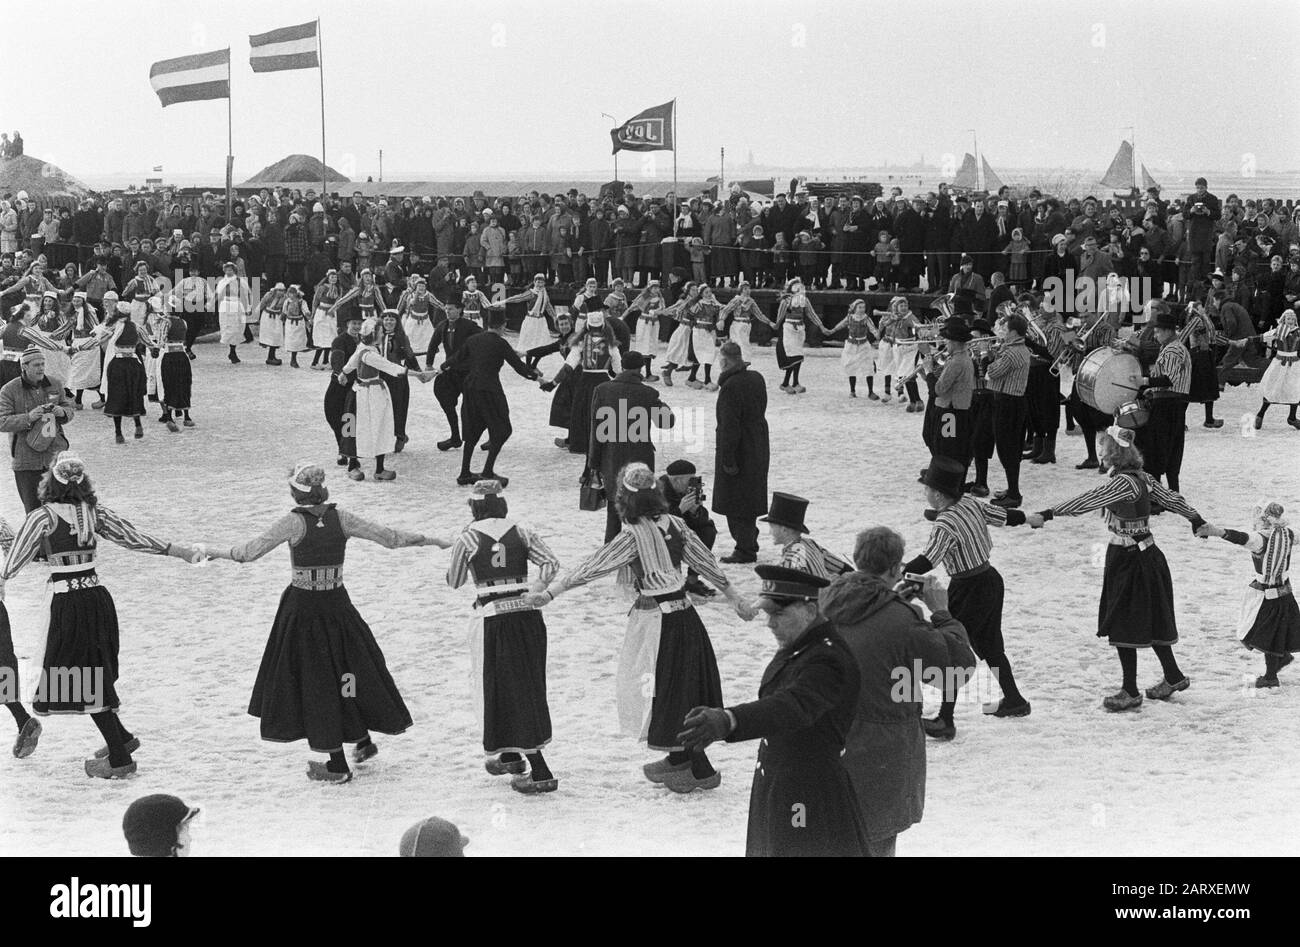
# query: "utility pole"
381, 165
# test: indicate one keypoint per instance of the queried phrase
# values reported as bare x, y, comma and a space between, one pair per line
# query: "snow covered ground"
1208, 773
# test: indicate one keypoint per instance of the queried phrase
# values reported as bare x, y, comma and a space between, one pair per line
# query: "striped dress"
667, 655
1137, 593
1270, 619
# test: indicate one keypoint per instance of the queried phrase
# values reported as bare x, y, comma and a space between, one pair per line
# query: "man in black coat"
802, 801
909, 227
622, 413
780, 216
742, 453
938, 238
449, 335
484, 406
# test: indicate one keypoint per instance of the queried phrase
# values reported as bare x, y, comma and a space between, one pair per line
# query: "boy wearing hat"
1166, 385
948, 414
982, 440
960, 541
798, 549
805, 708
158, 826
1008, 377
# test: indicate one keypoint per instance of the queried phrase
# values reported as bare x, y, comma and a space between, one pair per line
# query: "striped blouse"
960, 540
466, 546
1175, 363
622, 551
1123, 488
1009, 372
807, 555
1271, 552
103, 521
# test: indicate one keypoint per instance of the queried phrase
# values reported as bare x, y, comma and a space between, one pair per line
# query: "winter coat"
896, 649
743, 451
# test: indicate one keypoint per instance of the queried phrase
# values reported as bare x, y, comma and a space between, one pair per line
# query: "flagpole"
320, 68
230, 139
674, 159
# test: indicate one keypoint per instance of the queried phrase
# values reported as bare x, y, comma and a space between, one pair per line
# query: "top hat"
782, 584
955, 329
962, 304
946, 475
787, 510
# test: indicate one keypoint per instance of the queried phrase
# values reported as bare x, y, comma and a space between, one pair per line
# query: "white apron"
231, 316
858, 359
635, 680
324, 327
1281, 383
374, 421
679, 347
419, 332
647, 333
295, 334
271, 334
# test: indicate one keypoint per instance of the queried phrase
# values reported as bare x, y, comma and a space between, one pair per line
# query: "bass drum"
1107, 380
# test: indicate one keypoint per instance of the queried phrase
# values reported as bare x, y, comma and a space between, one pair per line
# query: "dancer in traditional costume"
29, 727
294, 317
738, 316
800, 551
643, 319
152, 330
55, 327
898, 350
85, 371
368, 297
592, 360
342, 379
234, 301
415, 308
858, 357
484, 408
667, 657
535, 330
794, 309
680, 353
82, 636
474, 303
124, 379
369, 405
507, 636
271, 319
1269, 620
960, 541
1137, 594
1281, 382
318, 638
176, 376
393, 345
704, 338
324, 325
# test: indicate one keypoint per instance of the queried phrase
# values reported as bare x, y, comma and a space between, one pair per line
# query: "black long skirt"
976, 602
178, 380
1205, 377
562, 403
584, 386
336, 399
79, 671
1137, 598
126, 388
516, 716
686, 677
1276, 629
323, 677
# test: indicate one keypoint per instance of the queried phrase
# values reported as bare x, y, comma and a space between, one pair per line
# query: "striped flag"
293, 47
192, 78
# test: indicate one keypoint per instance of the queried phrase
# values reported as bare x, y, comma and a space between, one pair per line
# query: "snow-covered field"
1208, 773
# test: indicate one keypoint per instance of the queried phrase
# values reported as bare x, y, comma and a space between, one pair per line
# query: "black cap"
956, 329
782, 584
946, 475
1164, 319
680, 468
787, 510
151, 823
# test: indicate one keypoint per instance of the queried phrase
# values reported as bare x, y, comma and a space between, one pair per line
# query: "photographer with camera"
684, 491
33, 411
1201, 212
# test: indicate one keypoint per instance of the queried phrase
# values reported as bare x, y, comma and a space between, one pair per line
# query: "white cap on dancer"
1122, 435
306, 476
68, 468
485, 488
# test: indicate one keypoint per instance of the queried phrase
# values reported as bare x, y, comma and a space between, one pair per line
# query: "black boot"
1035, 451
1048, 454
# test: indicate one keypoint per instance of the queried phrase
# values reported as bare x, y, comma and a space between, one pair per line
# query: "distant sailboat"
1121, 175
992, 182
968, 176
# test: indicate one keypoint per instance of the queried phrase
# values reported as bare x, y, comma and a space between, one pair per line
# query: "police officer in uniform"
801, 802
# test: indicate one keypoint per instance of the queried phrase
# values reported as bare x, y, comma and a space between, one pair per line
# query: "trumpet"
939, 359
1078, 345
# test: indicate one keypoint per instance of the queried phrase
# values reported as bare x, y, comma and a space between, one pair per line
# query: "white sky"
497, 87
